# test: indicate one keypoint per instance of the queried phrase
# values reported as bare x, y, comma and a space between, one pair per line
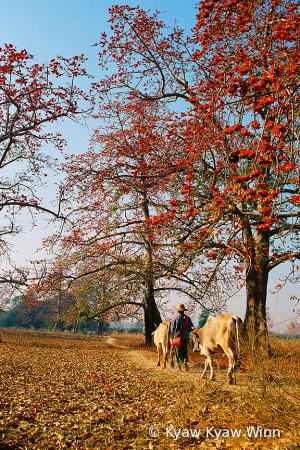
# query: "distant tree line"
42, 314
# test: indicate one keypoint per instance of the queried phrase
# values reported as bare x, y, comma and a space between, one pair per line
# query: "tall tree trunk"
257, 274
100, 327
58, 323
257, 250
256, 328
152, 316
75, 326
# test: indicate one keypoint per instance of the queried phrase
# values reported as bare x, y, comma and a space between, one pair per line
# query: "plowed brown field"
60, 391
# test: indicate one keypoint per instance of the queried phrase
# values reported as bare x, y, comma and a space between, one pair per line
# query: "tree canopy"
31, 100
192, 181
238, 75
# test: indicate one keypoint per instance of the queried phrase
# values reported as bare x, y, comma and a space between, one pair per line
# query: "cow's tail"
170, 348
237, 339
237, 321
154, 330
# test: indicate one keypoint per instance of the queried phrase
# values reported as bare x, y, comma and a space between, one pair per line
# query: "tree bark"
257, 273
257, 249
256, 328
152, 316
58, 323
75, 326
100, 327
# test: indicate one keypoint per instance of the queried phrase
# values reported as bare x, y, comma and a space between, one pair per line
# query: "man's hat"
180, 307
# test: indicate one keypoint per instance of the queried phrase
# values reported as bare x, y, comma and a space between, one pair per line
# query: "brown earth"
60, 391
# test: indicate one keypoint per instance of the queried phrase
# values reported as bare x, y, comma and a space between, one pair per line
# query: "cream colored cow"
163, 339
219, 334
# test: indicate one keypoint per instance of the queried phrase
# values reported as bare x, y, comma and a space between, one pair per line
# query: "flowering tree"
30, 100
238, 75
6, 297
122, 250
120, 185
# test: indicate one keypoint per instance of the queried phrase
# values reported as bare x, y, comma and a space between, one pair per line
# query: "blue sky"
64, 27
68, 27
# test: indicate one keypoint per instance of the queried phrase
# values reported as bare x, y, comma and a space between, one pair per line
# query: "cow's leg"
165, 360
207, 363
172, 356
165, 356
158, 352
205, 368
231, 373
231, 366
212, 375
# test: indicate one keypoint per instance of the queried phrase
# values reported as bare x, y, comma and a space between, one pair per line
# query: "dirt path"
147, 359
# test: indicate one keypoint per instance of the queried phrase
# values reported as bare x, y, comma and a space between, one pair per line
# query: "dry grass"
60, 391
287, 348
128, 339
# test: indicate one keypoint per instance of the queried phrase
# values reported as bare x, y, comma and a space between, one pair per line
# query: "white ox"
163, 339
219, 334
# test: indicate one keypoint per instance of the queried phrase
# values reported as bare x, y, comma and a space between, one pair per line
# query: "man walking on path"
181, 326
